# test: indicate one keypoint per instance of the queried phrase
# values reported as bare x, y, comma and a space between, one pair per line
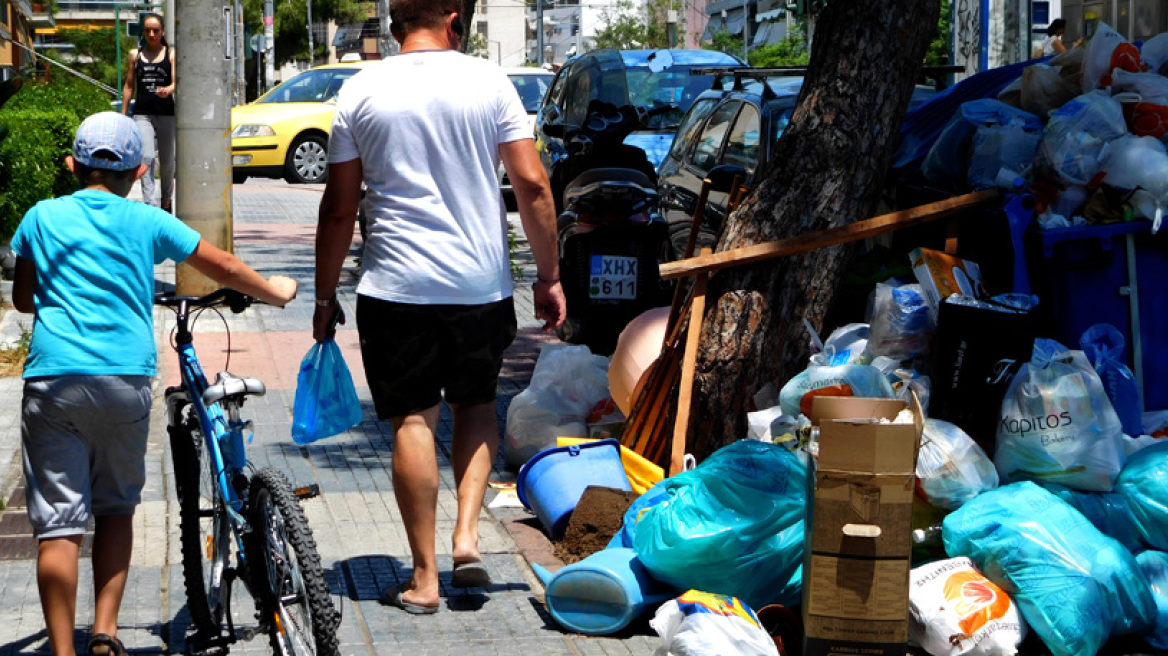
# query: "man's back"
427, 128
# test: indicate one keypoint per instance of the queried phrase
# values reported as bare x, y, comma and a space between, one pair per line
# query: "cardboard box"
859, 535
942, 275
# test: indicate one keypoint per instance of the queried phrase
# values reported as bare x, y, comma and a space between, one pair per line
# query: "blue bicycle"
226, 504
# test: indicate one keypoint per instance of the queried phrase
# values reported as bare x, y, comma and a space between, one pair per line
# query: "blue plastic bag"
733, 525
1144, 483
1075, 586
1108, 511
1103, 344
326, 401
1155, 567
949, 158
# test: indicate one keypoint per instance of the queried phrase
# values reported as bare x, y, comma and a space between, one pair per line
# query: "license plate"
613, 277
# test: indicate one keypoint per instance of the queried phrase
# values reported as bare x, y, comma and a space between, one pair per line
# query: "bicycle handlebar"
235, 300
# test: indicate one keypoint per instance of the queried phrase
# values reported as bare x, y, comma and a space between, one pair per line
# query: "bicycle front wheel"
204, 529
294, 596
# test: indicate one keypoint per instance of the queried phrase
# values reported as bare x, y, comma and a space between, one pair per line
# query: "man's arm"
537, 212
225, 268
24, 286
128, 85
334, 236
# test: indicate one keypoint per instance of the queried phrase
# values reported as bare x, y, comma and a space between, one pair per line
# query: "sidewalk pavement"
355, 519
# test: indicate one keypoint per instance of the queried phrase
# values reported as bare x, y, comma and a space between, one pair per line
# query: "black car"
648, 79
737, 125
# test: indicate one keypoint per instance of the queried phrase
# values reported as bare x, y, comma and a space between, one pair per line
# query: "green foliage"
291, 27
626, 27
95, 52
791, 50
41, 121
942, 45
724, 41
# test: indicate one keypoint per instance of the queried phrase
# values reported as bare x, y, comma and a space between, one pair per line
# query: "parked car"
737, 125
647, 79
284, 133
532, 84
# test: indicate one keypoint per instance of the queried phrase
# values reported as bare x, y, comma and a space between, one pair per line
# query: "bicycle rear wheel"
204, 530
294, 597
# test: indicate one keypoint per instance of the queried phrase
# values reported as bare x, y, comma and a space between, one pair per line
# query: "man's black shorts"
414, 353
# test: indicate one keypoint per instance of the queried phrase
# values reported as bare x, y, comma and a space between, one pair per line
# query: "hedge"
41, 121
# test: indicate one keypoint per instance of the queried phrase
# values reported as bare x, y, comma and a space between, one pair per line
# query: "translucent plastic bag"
951, 467
948, 159
1107, 511
1144, 483
1009, 147
568, 381
326, 401
1075, 586
1076, 134
1045, 89
1106, 51
1154, 53
1155, 566
704, 624
901, 324
1133, 162
1057, 425
733, 525
1151, 87
1103, 344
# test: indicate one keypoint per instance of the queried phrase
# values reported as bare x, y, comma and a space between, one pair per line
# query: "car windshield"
317, 85
671, 85
531, 89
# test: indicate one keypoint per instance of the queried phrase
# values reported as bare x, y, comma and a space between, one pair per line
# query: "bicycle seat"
227, 385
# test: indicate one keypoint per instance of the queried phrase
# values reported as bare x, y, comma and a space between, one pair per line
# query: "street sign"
257, 42
133, 29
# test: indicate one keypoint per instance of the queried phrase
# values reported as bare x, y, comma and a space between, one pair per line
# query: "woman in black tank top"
150, 81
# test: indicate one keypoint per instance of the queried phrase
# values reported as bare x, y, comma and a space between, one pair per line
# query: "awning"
735, 22
769, 15
23, 7
771, 32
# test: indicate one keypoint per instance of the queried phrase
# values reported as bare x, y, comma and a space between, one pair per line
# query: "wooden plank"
688, 361
879, 225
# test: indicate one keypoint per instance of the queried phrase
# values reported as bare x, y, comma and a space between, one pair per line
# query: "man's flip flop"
102, 644
393, 597
473, 574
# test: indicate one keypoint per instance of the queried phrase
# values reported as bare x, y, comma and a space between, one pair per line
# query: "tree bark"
827, 170
467, 19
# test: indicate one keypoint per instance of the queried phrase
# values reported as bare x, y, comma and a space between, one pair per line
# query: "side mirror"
722, 177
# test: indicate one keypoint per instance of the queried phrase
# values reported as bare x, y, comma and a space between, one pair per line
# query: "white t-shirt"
427, 126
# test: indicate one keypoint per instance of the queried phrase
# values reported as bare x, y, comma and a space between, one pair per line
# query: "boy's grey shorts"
84, 443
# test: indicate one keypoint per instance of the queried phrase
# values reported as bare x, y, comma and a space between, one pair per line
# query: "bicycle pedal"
307, 492
249, 633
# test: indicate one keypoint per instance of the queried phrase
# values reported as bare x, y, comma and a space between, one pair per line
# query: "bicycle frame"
222, 432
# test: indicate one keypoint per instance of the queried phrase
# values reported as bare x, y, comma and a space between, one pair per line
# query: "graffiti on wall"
966, 37
1008, 39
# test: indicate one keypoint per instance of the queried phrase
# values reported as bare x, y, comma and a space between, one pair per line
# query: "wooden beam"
879, 225
688, 363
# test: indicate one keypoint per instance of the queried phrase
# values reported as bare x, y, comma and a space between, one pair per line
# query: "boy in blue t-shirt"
85, 267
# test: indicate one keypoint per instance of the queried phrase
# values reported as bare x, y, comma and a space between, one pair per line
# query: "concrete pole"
385, 42
269, 50
203, 122
311, 48
167, 23
539, 32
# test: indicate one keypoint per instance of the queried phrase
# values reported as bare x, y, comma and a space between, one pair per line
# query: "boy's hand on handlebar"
284, 287
550, 304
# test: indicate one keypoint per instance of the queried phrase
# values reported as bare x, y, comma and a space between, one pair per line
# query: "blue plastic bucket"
601, 594
552, 482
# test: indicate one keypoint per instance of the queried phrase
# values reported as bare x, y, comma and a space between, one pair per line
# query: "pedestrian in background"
150, 83
85, 268
424, 130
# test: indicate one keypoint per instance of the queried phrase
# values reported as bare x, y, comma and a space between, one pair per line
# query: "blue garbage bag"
1103, 344
733, 525
1107, 511
626, 536
1155, 567
948, 160
1075, 586
1144, 483
326, 401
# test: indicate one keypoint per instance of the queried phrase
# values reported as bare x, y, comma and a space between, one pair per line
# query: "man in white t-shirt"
424, 131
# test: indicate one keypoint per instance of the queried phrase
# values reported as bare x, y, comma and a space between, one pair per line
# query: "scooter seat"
610, 174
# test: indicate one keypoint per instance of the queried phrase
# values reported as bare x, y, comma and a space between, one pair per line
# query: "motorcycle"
610, 232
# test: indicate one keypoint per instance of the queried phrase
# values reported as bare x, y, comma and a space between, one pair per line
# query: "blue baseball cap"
108, 140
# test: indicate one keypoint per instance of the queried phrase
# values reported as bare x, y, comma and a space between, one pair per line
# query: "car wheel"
238, 178
307, 161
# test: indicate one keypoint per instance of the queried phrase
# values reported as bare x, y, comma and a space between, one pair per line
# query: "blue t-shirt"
95, 254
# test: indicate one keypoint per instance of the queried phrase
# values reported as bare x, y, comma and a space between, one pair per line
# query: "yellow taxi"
284, 133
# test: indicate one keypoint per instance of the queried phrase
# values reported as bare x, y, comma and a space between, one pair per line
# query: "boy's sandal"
112, 646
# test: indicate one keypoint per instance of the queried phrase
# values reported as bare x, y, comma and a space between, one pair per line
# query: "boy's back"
95, 254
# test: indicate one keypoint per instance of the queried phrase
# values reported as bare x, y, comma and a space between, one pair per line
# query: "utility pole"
746, 31
203, 120
539, 32
385, 45
311, 50
269, 49
240, 56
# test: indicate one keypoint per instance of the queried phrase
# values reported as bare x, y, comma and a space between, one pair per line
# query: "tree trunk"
827, 171
467, 19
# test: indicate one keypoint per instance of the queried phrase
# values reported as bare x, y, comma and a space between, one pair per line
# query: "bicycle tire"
293, 594
203, 523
